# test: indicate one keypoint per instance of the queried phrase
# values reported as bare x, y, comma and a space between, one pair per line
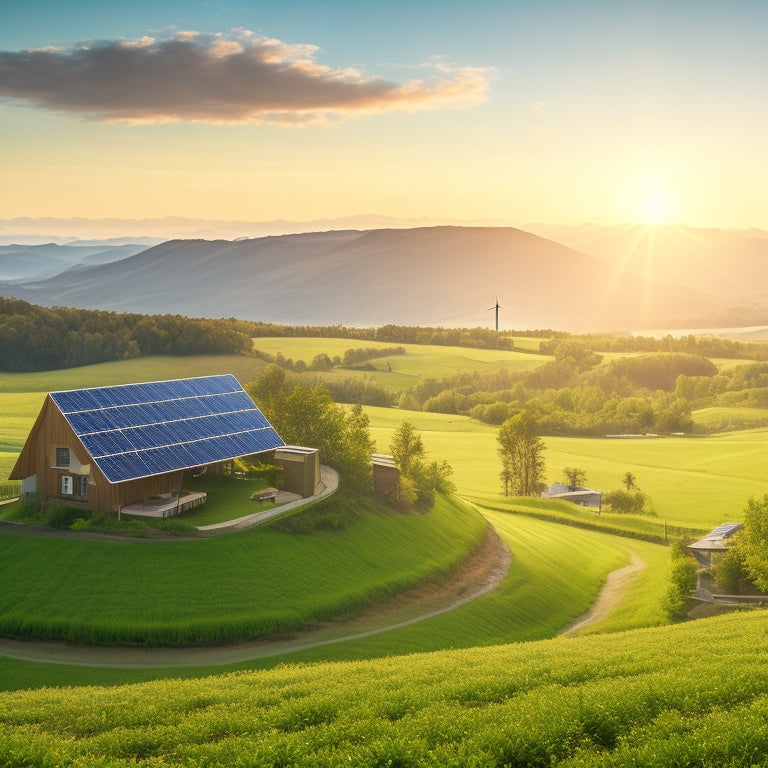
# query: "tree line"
35, 338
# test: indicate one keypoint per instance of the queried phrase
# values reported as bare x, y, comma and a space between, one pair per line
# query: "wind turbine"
497, 308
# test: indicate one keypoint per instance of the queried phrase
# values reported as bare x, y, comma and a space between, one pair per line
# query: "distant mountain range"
28, 262
445, 275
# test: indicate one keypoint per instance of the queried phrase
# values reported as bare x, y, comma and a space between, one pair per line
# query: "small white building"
585, 497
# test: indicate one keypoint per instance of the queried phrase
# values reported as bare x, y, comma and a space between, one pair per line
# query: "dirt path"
483, 571
615, 587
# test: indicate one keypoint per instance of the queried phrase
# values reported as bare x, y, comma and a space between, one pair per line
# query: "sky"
489, 112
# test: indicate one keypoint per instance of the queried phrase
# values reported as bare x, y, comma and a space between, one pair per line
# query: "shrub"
62, 516
625, 502
683, 582
729, 573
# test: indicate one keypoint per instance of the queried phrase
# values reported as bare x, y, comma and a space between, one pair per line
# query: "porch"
165, 505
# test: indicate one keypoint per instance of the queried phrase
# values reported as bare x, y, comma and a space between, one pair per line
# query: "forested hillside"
36, 338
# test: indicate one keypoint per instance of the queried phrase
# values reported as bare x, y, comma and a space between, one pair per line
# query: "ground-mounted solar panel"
138, 430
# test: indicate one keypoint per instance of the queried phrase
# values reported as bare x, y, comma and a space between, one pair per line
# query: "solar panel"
138, 430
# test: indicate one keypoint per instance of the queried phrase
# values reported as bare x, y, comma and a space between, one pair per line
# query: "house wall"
38, 458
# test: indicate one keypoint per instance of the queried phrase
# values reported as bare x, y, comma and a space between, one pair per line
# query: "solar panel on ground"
137, 430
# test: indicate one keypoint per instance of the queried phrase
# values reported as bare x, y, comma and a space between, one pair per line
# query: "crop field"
241, 586
691, 694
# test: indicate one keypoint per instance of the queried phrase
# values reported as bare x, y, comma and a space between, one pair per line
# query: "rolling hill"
444, 276
26, 262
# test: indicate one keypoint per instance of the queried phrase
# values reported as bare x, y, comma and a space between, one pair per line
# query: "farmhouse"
110, 447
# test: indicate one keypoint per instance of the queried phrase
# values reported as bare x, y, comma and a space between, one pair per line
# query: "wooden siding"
38, 457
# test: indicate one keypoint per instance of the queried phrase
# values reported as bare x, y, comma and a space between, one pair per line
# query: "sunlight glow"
654, 208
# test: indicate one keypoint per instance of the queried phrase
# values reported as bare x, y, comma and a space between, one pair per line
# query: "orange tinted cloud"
240, 78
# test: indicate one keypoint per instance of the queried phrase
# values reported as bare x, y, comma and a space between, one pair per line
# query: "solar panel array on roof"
138, 430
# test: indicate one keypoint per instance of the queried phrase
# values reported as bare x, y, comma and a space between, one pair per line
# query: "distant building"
585, 497
110, 448
706, 550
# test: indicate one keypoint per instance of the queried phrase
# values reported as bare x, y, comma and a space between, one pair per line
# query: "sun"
654, 208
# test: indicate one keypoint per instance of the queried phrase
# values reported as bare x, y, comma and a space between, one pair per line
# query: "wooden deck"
164, 506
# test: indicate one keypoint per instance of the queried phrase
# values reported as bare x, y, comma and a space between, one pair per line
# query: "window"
83, 484
62, 457
67, 485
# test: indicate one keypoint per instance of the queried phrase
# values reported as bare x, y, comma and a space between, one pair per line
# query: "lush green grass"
695, 482
419, 362
550, 583
592, 518
685, 695
155, 368
722, 418
555, 576
265, 580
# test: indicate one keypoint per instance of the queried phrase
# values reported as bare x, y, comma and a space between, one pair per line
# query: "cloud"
239, 78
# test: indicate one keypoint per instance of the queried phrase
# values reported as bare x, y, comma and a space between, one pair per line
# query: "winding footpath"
616, 585
483, 572
486, 569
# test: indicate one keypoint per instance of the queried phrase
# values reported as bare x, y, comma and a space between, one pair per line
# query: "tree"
753, 542
575, 477
418, 481
407, 448
521, 451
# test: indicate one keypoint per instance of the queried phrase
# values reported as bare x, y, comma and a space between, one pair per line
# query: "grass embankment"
253, 584
693, 694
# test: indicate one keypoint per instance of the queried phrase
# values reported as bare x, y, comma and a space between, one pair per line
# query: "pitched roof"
137, 430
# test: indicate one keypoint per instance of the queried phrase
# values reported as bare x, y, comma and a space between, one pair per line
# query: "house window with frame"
82, 482
67, 485
62, 457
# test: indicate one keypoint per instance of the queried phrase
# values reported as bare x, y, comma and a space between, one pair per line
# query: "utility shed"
109, 447
385, 474
301, 469
718, 541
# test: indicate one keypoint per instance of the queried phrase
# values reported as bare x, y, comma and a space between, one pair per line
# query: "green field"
419, 361
692, 694
696, 482
242, 586
721, 418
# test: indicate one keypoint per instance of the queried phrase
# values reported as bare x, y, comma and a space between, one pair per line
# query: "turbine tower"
497, 308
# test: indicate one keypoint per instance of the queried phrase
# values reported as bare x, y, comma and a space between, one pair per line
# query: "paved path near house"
481, 573
616, 585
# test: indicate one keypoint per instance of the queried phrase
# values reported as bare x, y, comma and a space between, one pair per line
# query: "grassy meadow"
695, 482
419, 361
489, 683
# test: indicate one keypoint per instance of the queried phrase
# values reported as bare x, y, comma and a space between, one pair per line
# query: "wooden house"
109, 448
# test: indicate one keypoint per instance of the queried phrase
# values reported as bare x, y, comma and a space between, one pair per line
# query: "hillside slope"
425, 276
